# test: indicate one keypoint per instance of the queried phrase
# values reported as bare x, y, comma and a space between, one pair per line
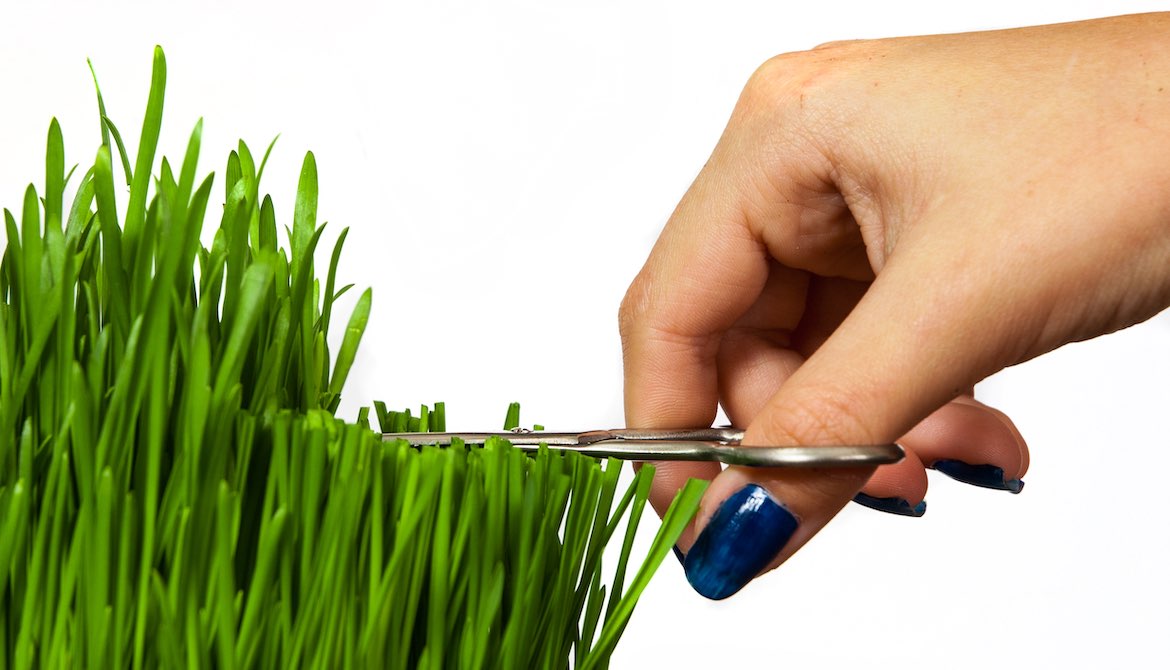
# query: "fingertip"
969, 442
752, 520
743, 535
1006, 422
899, 488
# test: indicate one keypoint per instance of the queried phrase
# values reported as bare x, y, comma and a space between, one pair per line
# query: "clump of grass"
174, 487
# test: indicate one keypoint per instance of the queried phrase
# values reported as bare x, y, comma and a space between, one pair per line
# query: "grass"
175, 490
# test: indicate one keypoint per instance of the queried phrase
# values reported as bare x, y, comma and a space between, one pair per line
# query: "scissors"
723, 445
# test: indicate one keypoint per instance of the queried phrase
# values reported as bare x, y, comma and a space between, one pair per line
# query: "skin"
885, 223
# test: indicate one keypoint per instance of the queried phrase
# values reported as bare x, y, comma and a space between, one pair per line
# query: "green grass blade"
271, 543
264, 161
54, 176
190, 164
79, 211
232, 175
331, 282
223, 604
512, 418
33, 249
349, 346
267, 235
247, 170
678, 516
641, 487
101, 107
127, 171
254, 286
304, 215
114, 265
147, 144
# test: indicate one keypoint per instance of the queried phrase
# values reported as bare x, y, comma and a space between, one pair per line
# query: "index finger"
705, 272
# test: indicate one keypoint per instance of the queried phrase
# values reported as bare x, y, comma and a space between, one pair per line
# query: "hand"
882, 225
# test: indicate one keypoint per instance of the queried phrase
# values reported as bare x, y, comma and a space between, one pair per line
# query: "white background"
504, 168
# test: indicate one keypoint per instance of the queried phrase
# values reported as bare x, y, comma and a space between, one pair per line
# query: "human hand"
882, 225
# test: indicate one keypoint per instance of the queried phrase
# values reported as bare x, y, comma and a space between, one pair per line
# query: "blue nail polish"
742, 538
682, 560
893, 505
987, 476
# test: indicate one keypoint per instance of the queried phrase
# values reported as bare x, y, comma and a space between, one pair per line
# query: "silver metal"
705, 444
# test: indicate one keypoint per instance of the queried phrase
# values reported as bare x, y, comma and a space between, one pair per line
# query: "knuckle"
775, 79
822, 416
792, 91
808, 87
632, 307
787, 74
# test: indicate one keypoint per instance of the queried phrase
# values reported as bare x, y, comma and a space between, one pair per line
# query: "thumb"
915, 340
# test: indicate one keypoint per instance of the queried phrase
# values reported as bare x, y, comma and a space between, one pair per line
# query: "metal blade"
645, 446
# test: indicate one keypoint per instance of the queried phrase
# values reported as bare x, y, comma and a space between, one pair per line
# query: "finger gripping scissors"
705, 444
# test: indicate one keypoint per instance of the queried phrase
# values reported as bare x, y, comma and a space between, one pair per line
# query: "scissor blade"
645, 448
531, 438
534, 437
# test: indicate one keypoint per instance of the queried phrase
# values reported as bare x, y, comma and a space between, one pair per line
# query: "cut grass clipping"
175, 490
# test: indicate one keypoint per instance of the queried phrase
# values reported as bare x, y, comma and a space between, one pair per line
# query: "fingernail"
742, 538
893, 505
985, 475
682, 560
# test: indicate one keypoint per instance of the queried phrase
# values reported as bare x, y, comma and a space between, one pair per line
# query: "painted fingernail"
985, 475
742, 538
682, 560
893, 505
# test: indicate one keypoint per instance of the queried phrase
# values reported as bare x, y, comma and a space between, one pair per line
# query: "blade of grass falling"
174, 489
